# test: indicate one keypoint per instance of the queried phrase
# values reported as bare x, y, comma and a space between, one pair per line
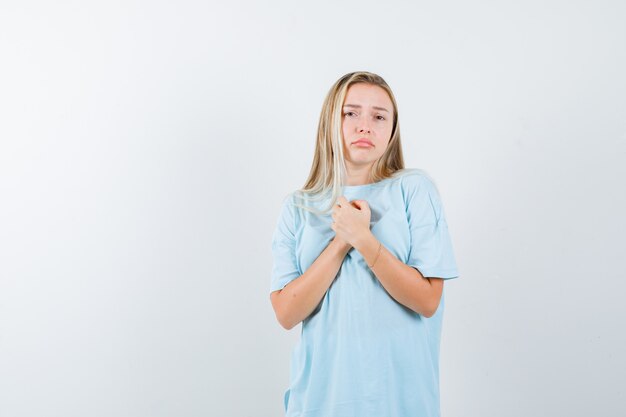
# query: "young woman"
360, 255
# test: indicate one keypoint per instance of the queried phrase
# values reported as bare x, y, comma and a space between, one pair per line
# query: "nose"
364, 127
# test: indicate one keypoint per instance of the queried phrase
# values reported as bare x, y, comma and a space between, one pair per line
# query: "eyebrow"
356, 106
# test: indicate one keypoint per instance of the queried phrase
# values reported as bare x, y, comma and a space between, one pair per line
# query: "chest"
388, 223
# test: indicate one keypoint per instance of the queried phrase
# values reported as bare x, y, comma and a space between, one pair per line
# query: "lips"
363, 141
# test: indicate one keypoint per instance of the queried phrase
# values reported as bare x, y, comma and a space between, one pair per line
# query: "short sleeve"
285, 267
431, 251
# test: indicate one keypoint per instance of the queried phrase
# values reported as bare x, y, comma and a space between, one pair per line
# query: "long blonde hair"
328, 171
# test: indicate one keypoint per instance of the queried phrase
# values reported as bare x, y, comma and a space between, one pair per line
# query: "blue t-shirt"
361, 353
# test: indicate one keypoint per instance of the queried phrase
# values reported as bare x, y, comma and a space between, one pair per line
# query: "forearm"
403, 282
297, 300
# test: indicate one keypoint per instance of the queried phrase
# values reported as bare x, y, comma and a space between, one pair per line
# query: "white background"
145, 148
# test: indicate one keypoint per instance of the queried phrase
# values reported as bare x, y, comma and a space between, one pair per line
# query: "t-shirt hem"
437, 273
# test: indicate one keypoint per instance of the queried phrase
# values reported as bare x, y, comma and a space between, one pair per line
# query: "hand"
343, 246
351, 220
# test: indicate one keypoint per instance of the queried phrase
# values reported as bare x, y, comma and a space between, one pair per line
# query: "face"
367, 121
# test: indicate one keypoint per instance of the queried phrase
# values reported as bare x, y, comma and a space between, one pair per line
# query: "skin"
367, 113
363, 117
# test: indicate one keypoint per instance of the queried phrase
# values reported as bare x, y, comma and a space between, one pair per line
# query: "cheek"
345, 126
385, 145
385, 129
386, 133
346, 129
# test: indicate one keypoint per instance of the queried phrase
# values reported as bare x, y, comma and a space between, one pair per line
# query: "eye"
379, 117
348, 112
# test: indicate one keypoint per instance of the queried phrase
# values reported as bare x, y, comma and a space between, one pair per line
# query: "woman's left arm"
403, 282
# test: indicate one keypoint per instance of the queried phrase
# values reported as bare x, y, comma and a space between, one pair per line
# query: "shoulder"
420, 194
292, 199
288, 199
413, 179
292, 205
286, 207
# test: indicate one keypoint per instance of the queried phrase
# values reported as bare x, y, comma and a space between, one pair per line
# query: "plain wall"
145, 148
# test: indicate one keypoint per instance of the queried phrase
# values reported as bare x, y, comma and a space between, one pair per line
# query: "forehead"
368, 95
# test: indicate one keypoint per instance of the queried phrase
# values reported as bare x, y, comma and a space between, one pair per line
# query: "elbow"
422, 310
428, 313
431, 303
289, 326
430, 310
285, 323
423, 307
282, 316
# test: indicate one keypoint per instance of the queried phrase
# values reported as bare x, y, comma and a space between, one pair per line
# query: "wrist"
367, 239
340, 248
370, 249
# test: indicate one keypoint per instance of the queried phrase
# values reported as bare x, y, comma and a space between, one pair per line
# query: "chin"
361, 161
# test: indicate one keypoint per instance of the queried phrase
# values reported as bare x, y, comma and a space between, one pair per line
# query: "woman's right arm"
297, 300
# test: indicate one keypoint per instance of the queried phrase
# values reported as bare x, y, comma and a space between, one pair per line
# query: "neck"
358, 175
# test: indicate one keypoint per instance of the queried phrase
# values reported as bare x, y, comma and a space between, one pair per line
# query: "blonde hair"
328, 171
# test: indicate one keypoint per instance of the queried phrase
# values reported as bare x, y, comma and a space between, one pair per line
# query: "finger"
362, 203
358, 204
